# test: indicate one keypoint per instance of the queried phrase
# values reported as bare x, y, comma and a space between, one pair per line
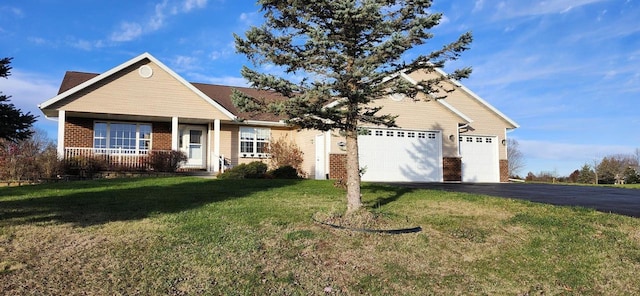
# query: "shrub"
161, 161
84, 166
286, 153
252, 170
284, 172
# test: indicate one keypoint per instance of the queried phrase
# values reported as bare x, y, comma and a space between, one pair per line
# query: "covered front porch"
128, 141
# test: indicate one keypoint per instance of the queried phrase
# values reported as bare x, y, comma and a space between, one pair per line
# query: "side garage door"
401, 155
479, 159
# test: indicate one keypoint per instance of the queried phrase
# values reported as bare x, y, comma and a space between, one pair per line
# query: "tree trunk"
354, 201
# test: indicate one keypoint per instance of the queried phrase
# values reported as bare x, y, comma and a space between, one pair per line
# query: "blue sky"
568, 71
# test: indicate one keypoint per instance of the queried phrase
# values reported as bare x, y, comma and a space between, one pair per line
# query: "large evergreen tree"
14, 125
346, 50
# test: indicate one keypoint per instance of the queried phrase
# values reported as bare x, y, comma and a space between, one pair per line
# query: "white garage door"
479, 159
401, 155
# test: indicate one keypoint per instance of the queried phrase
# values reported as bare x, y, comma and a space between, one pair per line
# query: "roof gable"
459, 109
67, 90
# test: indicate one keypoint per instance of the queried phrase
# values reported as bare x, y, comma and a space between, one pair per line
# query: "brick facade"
452, 169
504, 170
161, 135
78, 132
338, 166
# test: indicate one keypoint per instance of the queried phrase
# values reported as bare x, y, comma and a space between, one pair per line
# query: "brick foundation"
338, 166
452, 169
504, 170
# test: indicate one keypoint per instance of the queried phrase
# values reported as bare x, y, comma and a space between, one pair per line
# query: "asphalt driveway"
604, 199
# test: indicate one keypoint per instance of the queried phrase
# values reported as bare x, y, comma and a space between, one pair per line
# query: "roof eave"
482, 101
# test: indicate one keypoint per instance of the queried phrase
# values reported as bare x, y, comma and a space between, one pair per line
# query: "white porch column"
174, 133
216, 145
61, 121
210, 157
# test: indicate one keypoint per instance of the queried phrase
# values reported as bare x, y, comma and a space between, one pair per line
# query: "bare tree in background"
515, 157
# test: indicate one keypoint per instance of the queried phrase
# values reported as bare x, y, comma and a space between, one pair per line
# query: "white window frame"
107, 137
254, 132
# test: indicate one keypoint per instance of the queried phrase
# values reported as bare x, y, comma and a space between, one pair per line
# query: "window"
379, 133
488, 140
134, 137
411, 135
254, 140
479, 140
389, 134
400, 134
422, 135
432, 136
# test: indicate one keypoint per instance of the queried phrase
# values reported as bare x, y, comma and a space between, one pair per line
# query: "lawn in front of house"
191, 236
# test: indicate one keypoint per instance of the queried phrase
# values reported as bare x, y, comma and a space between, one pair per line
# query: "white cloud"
130, 30
219, 80
37, 40
189, 5
15, 11
249, 18
185, 63
127, 32
511, 9
223, 52
27, 90
478, 5
444, 20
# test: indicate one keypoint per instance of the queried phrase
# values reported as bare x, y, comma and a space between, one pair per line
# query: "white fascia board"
441, 101
455, 111
335, 103
191, 87
479, 99
263, 123
127, 64
92, 80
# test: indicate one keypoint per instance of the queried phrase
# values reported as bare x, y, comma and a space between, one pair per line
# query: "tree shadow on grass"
386, 194
88, 203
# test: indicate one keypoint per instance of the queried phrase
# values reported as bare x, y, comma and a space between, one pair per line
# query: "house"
142, 105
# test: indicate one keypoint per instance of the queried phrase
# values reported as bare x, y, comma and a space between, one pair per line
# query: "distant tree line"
611, 169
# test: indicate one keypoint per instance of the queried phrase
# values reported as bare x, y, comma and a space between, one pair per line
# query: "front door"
193, 143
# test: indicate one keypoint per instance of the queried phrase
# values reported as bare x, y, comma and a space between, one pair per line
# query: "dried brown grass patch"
67, 260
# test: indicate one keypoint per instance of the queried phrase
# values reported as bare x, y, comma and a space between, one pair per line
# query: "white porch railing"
125, 159
118, 158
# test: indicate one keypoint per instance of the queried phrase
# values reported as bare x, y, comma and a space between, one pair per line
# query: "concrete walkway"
604, 199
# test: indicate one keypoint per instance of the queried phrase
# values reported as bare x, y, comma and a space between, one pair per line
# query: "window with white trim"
254, 141
130, 137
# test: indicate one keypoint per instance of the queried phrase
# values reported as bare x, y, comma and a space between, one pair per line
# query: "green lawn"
192, 236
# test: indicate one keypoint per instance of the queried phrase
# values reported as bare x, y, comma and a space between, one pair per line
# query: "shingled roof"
218, 93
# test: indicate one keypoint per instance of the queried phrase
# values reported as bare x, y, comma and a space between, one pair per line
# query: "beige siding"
418, 115
485, 121
230, 142
306, 142
126, 92
424, 115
